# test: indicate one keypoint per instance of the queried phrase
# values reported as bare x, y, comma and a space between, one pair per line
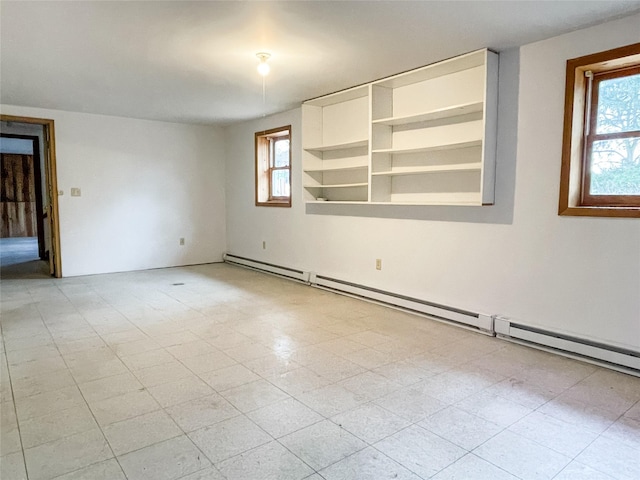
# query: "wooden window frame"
264, 167
579, 135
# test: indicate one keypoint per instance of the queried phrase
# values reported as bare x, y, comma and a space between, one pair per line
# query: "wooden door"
18, 196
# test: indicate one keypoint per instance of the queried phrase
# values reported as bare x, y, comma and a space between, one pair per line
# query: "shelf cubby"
336, 146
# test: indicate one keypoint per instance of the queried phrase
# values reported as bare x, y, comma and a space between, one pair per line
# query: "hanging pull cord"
264, 97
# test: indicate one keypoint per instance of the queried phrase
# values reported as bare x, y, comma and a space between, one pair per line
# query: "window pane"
280, 183
281, 153
619, 105
615, 167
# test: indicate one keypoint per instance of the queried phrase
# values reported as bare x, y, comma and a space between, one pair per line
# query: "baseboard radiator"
610, 356
290, 273
476, 321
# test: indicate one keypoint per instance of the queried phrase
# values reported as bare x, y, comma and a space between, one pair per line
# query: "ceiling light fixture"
263, 66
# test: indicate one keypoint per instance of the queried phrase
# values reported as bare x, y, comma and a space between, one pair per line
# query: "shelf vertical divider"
381, 138
311, 135
370, 147
490, 119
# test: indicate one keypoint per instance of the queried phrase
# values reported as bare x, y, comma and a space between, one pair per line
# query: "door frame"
51, 179
37, 178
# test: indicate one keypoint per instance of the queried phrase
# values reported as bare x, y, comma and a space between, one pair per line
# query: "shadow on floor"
19, 259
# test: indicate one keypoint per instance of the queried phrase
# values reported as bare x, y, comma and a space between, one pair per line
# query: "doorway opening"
29, 228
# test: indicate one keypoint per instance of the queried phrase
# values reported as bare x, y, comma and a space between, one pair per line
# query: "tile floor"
214, 372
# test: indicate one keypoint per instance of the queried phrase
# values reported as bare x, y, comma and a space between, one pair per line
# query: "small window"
273, 167
601, 144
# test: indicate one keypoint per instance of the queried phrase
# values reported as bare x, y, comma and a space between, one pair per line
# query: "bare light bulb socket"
263, 66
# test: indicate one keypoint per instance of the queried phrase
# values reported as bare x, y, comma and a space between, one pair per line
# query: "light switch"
75, 192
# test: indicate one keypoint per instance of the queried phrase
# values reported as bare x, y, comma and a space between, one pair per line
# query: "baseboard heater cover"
595, 352
267, 267
477, 321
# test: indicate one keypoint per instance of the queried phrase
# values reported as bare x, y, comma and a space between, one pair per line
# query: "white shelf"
340, 97
396, 202
451, 203
339, 146
336, 169
431, 148
340, 202
447, 112
338, 185
430, 169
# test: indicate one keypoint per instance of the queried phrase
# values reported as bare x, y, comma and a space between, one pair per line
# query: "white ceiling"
195, 61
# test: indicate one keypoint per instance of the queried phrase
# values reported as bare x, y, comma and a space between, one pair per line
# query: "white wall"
518, 258
144, 185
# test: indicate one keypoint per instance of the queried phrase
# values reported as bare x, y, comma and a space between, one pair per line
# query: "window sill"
274, 203
628, 212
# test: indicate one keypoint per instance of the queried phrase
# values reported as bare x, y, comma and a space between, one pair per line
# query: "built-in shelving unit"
424, 137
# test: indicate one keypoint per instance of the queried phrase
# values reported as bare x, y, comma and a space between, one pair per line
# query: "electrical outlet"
181, 240
264, 245
378, 264
75, 192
